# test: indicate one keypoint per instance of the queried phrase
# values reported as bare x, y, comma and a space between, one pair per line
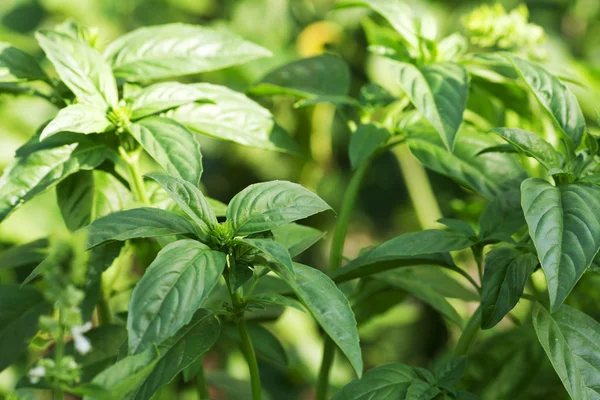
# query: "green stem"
201, 387
59, 350
335, 261
478, 256
469, 334
246, 343
137, 182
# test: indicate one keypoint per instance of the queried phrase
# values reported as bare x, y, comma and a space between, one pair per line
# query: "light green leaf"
265, 343
171, 291
127, 374
231, 116
564, 224
453, 47
388, 381
505, 276
329, 307
308, 78
296, 238
178, 49
75, 198
190, 199
366, 141
26, 254
78, 118
396, 12
180, 351
163, 96
142, 222
267, 205
532, 145
274, 253
439, 92
172, 146
34, 173
81, 68
219, 208
419, 288
18, 66
571, 340
20, 309
554, 96
488, 174
110, 194
338, 101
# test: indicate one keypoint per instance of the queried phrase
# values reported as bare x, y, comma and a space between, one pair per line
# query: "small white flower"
82, 344
35, 374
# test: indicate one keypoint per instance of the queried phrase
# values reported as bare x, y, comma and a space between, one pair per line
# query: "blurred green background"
292, 29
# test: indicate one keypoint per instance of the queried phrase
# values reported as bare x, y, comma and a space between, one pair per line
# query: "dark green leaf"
330, 308
323, 75
163, 96
506, 273
265, 343
172, 146
297, 238
274, 253
38, 171
439, 92
190, 199
180, 351
178, 49
571, 341
78, 118
81, 68
458, 226
101, 258
564, 224
25, 254
20, 309
365, 142
75, 198
18, 66
110, 194
554, 96
277, 299
388, 381
267, 205
440, 281
447, 374
502, 216
172, 289
233, 117
138, 223
532, 145
372, 95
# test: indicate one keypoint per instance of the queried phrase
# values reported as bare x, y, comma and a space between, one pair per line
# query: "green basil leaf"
142, 222
439, 92
441, 282
453, 47
554, 96
329, 307
266, 344
81, 68
172, 146
20, 309
101, 258
171, 291
180, 351
366, 141
190, 199
231, 116
297, 238
338, 101
78, 118
532, 145
459, 226
163, 96
110, 194
18, 66
219, 208
38, 171
396, 12
308, 78
506, 273
125, 375
564, 224
449, 373
267, 205
75, 198
26, 254
276, 254
276, 299
178, 49
502, 216
489, 174
415, 286
570, 338
388, 381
